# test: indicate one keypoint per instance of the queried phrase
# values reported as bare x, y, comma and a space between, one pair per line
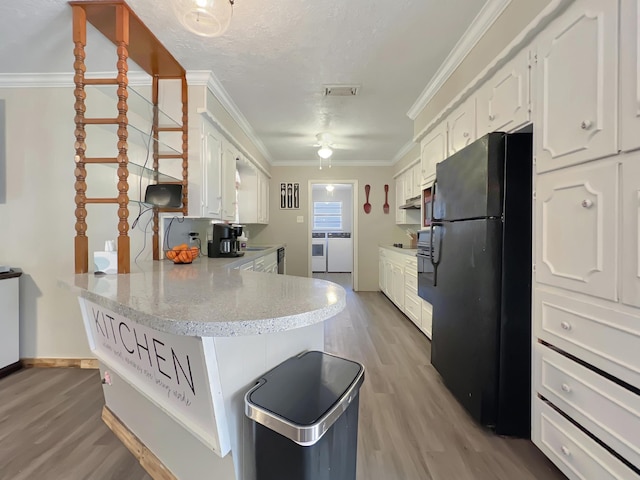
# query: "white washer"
339, 252
318, 252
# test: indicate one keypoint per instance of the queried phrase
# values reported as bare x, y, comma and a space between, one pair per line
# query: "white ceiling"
274, 59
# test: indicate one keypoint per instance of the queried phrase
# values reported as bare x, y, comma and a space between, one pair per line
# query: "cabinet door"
426, 318
503, 102
576, 225
462, 125
388, 278
630, 75
433, 149
417, 179
630, 179
212, 163
263, 208
381, 278
398, 285
401, 215
577, 86
409, 190
229, 203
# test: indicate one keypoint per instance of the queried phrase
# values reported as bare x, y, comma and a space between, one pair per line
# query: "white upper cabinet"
462, 125
630, 180
212, 167
576, 101
503, 102
576, 225
229, 157
630, 75
253, 194
433, 149
417, 179
401, 215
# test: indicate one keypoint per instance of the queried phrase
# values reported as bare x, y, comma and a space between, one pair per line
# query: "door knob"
586, 124
565, 451
566, 326
566, 388
465, 134
586, 203
492, 117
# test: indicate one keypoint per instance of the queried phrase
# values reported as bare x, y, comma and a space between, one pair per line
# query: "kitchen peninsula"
179, 345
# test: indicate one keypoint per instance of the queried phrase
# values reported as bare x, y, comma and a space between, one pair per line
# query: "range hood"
412, 203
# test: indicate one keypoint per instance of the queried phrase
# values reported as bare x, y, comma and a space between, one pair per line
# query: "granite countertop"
403, 250
208, 298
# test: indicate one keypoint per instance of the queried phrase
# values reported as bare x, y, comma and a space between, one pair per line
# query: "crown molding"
334, 163
522, 40
478, 27
208, 78
59, 80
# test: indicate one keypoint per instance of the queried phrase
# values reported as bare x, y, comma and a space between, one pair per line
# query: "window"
327, 215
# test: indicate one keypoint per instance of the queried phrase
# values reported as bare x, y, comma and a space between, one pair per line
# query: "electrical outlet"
300, 219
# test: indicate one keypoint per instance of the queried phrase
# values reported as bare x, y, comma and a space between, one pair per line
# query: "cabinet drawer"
605, 338
573, 452
607, 410
412, 308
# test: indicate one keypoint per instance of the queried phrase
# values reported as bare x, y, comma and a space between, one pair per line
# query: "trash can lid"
303, 396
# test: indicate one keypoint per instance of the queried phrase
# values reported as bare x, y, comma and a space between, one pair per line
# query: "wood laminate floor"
410, 427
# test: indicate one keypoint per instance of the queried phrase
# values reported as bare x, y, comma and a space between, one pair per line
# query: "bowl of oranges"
181, 254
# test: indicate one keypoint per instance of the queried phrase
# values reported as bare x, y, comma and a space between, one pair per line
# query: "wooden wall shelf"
133, 40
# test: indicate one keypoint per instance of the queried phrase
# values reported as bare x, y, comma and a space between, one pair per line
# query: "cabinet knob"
465, 134
565, 451
566, 388
492, 117
586, 203
566, 326
586, 124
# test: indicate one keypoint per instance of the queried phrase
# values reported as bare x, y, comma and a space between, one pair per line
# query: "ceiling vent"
340, 90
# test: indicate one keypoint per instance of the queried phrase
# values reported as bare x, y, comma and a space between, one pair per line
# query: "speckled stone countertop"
404, 251
208, 298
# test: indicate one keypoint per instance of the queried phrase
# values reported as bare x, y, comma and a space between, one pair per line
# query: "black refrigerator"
481, 283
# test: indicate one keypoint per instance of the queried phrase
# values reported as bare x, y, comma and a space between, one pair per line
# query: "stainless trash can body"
305, 414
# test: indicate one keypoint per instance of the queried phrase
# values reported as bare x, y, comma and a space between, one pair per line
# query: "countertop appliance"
339, 252
225, 241
474, 267
318, 252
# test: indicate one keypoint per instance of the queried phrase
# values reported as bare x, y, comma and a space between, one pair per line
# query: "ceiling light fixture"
207, 18
329, 188
325, 152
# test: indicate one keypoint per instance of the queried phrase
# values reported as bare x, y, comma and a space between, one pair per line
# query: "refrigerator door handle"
433, 199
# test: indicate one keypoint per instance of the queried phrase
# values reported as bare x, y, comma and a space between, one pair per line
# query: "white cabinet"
503, 101
462, 125
381, 277
576, 101
427, 318
397, 294
417, 179
9, 322
401, 215
212, 167
388, 275
629, 75
229, 158
630, 229
433, 149
253, 194
576, 225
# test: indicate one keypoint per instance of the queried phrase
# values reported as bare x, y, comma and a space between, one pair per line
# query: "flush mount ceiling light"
207, 18
324, 142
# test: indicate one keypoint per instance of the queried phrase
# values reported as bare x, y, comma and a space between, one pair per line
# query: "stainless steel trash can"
305, 418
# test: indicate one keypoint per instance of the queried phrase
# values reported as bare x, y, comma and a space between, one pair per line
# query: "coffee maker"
225, 241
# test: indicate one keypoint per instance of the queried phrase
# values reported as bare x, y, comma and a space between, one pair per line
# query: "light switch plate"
300, 219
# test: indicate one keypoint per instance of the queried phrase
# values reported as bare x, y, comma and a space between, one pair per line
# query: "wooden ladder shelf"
133, 40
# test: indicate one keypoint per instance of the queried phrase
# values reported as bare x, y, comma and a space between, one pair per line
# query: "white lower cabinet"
573, 452
576, 229
398, 280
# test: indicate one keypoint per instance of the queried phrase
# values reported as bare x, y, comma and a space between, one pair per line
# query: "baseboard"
90, 363
14, 367
152, 464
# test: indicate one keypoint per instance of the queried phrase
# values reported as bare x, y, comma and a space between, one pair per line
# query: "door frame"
354, 224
